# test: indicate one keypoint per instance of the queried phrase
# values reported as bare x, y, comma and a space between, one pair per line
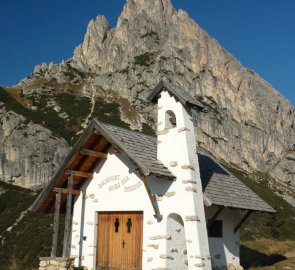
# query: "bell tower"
176, 149
176, 135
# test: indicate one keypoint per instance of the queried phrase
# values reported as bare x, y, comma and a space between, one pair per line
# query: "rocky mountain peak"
161, 10
97, 29
95, 36
246, 122
150, 23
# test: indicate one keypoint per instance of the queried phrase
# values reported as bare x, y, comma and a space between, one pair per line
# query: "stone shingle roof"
219, 186
182, 96
223, 189
139, 147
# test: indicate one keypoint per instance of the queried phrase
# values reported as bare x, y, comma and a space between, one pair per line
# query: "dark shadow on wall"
251, 258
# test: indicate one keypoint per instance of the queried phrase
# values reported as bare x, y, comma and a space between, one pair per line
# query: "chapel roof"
223, 189
139, 147
219, 186
181, 95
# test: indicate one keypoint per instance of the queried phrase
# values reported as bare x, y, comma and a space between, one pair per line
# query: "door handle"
123, 243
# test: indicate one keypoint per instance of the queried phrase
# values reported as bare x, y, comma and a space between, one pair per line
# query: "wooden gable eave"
84, 158
75, 161
82, 168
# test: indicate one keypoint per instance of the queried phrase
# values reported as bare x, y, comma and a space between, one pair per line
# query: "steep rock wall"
30, 153
247, 122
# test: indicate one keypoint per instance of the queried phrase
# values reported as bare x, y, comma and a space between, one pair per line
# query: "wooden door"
119, 242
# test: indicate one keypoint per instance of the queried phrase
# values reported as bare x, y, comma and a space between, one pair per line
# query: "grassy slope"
30, 237
77, 108
268, 254
280, 226
45, 118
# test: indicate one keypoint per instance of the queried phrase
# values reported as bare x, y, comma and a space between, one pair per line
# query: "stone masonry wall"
47, 263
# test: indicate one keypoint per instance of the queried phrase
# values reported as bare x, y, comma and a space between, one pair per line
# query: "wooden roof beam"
80, 174
66, 191
96, 132
248, 213
92, 153
214, 217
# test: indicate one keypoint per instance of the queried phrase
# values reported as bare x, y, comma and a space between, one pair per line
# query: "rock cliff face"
29, 153
246, 123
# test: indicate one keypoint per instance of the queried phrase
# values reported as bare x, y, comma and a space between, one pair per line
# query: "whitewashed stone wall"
121, 189
177, 150
225, 250
116, 186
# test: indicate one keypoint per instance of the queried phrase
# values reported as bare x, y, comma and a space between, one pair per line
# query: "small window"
170, 120
129, 224
215, 229
117, 224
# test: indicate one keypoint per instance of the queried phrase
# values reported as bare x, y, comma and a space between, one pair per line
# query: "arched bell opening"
170, 120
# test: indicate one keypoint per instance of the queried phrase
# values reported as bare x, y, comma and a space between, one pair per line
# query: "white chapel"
134, 201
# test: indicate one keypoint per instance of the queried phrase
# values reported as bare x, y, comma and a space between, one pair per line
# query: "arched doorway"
176, 246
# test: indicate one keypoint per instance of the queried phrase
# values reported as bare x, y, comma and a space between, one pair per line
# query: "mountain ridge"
246, 123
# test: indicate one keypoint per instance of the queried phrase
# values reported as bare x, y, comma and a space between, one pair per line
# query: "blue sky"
260, 34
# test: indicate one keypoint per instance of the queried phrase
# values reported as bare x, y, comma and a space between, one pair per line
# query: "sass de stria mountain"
246, 125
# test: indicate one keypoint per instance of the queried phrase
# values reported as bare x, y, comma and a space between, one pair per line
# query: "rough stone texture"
165, 256
192, 189
163, 132
92, 196
191, 218
153, 245
231, 266
173, 163
90, 223
182, 129
29, 153
187, 167
170, 194
189, 182
47, 263
246, 121
199, 257
157, 237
